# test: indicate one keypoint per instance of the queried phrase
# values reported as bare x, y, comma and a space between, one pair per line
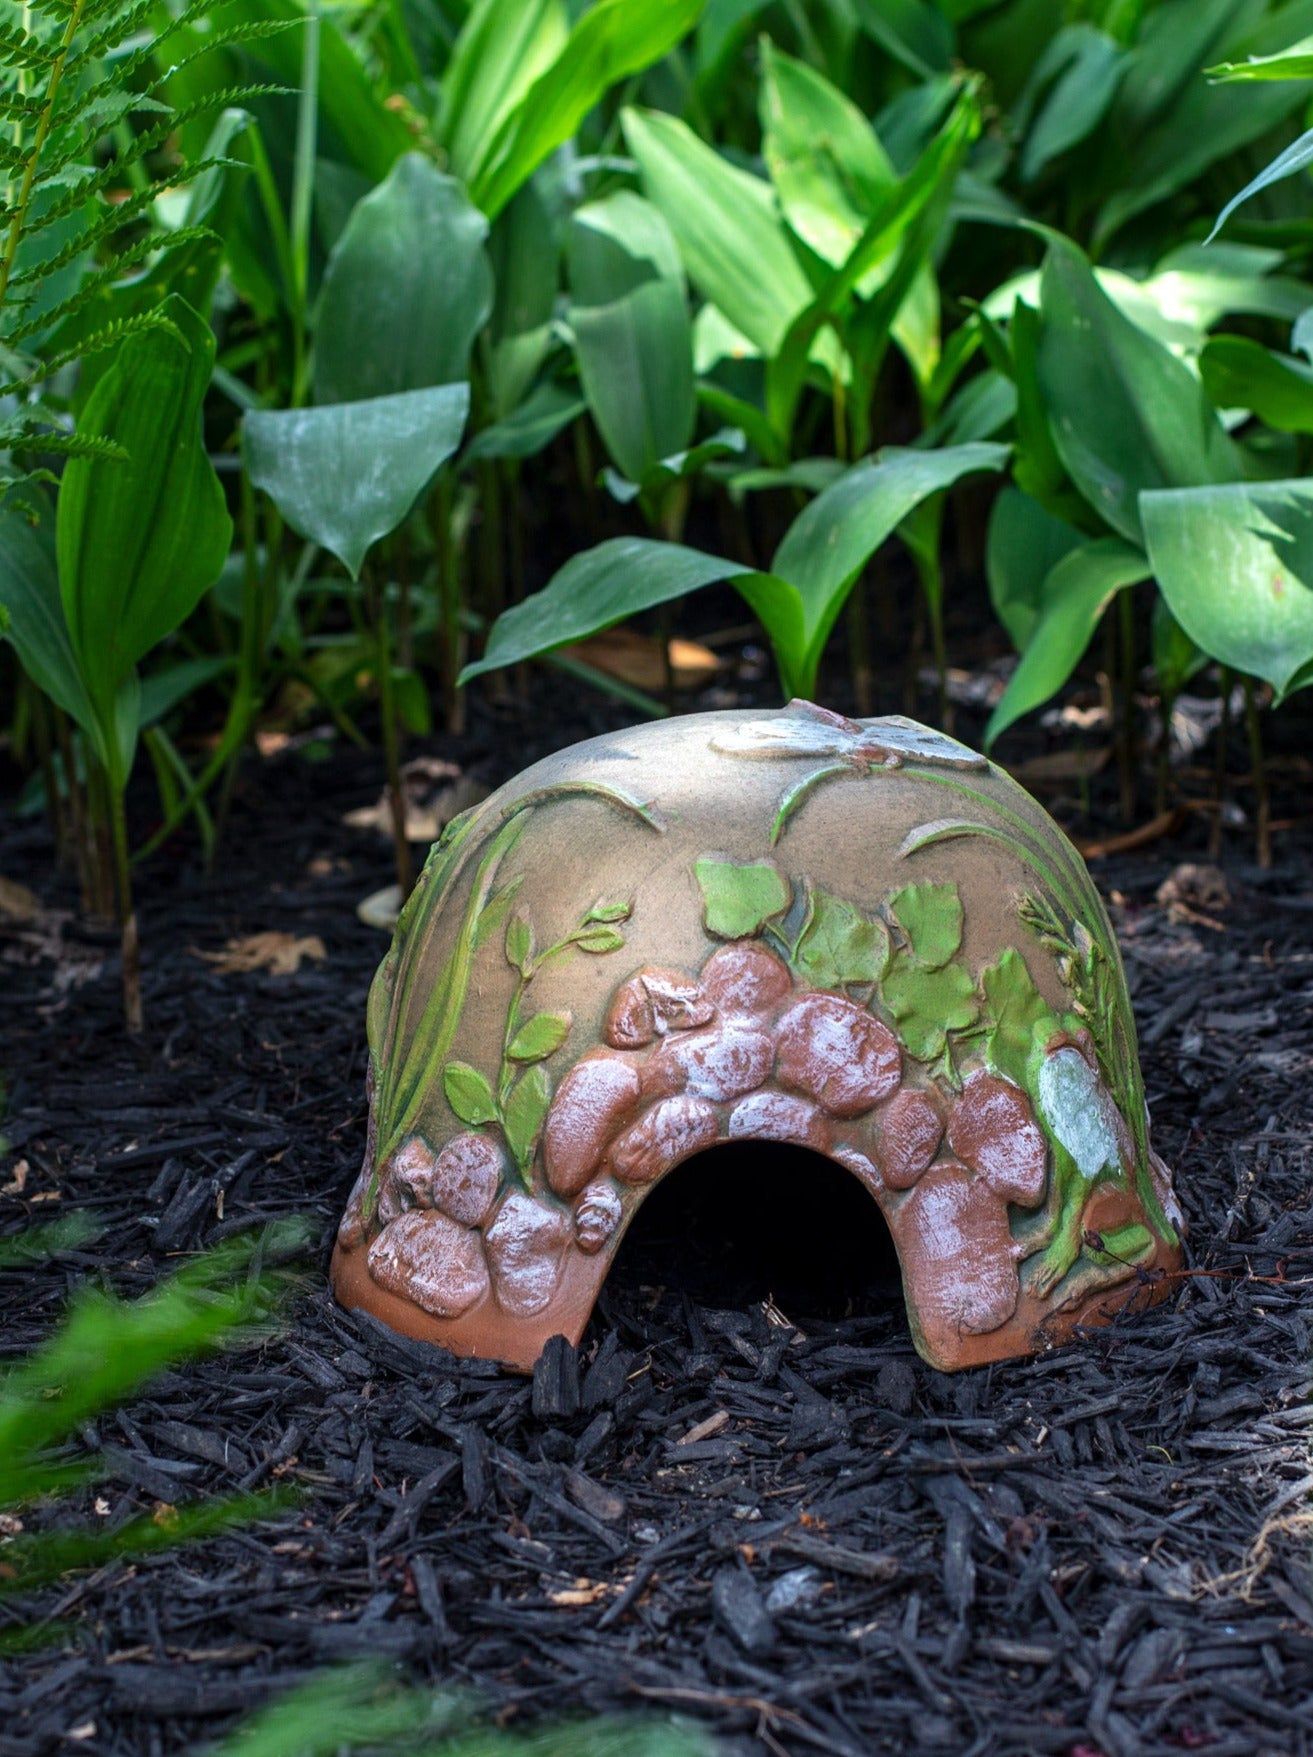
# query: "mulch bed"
745, 1500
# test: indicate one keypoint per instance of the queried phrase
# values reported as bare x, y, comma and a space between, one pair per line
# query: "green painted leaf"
1235, 565
540, 1037
1128, 1244
600, 939
1242, 374
1073, 598
929, 1003
469, 1094
1126, 415
610, 912
411, 274
525, 1113
930, 915
519, 941
839, 945
730, 234
347, 474
739, 898
1019, 1012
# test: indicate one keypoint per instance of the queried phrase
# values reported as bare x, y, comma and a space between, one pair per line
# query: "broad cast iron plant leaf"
348, 474
633, 338
1126, 415
140, 540
1076, 591
1235, 565
29, 595
406, 290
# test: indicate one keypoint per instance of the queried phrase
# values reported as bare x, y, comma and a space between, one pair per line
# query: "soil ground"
746, 1501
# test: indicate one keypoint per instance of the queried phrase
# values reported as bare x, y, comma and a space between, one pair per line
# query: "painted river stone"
856, 936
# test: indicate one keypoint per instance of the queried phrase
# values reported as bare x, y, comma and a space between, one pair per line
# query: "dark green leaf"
348, 474
1243, 374
406, 290
1022, 545
1235, 565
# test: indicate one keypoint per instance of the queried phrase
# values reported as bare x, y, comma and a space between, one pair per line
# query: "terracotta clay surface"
855, 936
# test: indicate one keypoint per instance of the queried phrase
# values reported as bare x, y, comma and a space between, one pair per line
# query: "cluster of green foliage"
373, 260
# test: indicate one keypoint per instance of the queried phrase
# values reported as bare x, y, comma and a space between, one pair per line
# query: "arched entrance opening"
748, 1221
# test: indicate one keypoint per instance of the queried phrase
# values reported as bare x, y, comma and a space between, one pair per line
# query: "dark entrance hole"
756, 1220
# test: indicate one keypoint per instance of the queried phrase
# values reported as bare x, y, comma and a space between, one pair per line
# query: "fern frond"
101, 43
109, 335
23, 47
158, 243
112, 221
249, 32
73, 445
98, 111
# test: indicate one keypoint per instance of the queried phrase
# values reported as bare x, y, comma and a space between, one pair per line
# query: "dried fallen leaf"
17, 902
435, 792
583, 1592
636, 658
278, 953
18, 1182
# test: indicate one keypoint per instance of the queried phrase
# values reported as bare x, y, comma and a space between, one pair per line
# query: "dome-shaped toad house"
856, 936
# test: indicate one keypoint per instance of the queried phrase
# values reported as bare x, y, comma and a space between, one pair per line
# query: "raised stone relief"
913, 976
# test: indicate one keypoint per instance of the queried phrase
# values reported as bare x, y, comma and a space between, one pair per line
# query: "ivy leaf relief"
1019, 1012
539, 1037
839, 945
600, 939
525, 1113
740, 899
929, 1003
603, 911
469, 1094
931, 917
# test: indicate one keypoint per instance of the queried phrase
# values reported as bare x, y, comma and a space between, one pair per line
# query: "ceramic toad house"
856, 936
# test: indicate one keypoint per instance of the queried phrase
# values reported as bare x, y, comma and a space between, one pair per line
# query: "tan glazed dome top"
856, 936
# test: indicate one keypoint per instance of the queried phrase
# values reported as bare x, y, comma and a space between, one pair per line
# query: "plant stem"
303, 190
1262, 798
1127, 752
859, 648
449, 630
391, 744
1219, 769
129, 946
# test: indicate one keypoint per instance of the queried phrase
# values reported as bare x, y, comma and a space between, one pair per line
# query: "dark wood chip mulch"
767, 1515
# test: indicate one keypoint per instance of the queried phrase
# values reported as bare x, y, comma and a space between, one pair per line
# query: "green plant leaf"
1235, 565
834, 537
526, 431
524, 249
1126, 415
611, 41
930, 916
139, 541
1076, 591
1022, 545
740, 897
1296, 62
730, 234
503, 46
828, 168
525, 1113
1176, 658
633, 338
1020, 1014
29, 593
1242, 374
469, 1094
595, 590
540, 1037
410, 274
839, 945
1081, 67
347, 474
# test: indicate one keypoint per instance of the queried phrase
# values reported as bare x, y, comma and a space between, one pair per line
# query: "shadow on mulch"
803, 1537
